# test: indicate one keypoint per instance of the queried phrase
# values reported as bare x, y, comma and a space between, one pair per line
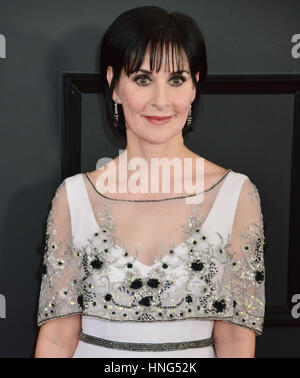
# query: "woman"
133, 274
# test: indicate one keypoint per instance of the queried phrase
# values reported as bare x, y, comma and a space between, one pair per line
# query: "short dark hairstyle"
128, 38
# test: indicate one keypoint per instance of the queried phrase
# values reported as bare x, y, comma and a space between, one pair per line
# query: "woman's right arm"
60, 302
58, 338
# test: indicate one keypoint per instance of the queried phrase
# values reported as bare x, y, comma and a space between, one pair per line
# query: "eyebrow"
176, 72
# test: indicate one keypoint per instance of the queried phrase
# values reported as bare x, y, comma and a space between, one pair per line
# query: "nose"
161, 95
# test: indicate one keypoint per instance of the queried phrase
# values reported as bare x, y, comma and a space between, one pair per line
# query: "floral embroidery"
202, 280
248, 276
60, 293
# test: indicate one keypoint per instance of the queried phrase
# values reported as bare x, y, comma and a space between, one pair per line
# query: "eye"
142, 80
180, 78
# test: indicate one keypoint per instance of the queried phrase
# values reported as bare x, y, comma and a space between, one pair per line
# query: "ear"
109, 76
197, 78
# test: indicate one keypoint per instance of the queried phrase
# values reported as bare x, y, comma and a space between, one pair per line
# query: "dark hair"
127, 39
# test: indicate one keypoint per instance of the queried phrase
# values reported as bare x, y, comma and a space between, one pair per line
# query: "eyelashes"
145, 77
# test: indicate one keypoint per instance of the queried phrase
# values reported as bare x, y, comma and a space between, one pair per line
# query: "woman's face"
159, 94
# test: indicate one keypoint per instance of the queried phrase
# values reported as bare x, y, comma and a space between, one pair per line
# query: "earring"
116, 115
189, 120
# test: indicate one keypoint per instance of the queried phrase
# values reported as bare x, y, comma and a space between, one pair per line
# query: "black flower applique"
259, 276
108, 297
136, 284
96, 263
80, 300
197, 265
188, 299
146, 301
219, 305
153, 282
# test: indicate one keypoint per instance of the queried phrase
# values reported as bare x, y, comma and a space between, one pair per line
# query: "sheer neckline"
175, 248
156, 200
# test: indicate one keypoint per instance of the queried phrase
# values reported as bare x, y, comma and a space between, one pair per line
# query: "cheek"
181, 100
181, 104
133, 100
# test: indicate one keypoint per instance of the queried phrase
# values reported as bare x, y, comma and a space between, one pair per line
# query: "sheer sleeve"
247, 263
60, 293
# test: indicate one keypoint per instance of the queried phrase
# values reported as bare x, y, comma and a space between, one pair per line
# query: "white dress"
154, 271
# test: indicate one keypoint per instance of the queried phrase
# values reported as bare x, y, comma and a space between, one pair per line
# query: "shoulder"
72, 179
93, 175
247, 195
71, 186
248, 187
214, 173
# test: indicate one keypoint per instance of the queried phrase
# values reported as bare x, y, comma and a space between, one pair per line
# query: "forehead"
165, 58
169, 62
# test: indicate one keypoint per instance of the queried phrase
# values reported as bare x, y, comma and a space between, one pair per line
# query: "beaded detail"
143, 347
157, 200
201, 279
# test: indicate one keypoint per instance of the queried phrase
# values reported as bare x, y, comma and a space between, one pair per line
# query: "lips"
158, 120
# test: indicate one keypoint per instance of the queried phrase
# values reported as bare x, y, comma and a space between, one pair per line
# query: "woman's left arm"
245, 276
233, 341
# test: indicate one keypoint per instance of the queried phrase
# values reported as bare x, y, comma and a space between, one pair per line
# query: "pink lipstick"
158, 120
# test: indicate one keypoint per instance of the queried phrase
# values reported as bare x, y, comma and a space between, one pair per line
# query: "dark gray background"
249, 134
